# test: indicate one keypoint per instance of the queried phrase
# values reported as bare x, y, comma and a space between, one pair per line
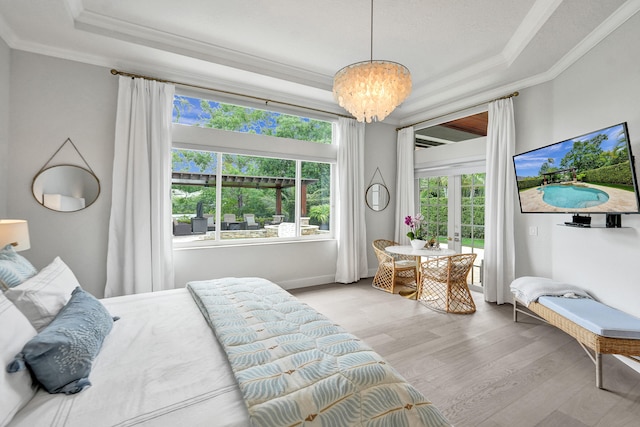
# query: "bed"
161, 364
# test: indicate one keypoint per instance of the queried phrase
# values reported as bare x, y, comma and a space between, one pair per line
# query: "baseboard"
308, 282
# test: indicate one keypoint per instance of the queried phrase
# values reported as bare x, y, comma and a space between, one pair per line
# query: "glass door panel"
472, 222
453, 208
434, 206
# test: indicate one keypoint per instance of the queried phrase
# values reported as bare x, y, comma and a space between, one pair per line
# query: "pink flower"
414, 224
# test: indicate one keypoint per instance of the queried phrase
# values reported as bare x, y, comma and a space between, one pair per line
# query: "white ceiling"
459, 52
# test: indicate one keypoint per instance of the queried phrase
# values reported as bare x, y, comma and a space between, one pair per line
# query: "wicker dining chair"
393, 270
444, 286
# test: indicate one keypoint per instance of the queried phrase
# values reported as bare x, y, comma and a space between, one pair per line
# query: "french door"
453, 208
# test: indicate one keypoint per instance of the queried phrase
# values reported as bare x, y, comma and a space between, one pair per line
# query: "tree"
546, 167
584, 155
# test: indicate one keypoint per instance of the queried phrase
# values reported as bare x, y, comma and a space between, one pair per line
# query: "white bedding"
149, 373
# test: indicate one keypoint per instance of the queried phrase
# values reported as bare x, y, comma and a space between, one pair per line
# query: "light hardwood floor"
482, 369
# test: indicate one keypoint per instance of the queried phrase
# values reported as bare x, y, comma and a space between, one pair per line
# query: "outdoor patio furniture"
250, 220
277, 219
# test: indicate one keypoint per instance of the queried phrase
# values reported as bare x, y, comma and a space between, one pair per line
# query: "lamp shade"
15, 232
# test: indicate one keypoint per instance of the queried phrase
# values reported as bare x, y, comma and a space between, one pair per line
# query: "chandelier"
371, 90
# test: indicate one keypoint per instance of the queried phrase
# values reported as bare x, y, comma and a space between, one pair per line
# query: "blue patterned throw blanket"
297, 368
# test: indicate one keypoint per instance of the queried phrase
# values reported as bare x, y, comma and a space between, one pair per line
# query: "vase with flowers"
417, 234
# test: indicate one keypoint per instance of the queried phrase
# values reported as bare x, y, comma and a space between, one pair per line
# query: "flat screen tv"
588, 174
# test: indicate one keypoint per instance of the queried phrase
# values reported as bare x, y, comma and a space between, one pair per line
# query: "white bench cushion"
595, 316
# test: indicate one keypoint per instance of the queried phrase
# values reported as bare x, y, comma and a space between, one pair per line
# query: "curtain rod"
511, 95
226, 92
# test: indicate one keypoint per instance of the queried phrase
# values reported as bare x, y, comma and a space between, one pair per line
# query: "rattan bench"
593, 343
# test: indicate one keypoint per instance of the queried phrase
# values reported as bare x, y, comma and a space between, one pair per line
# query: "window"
217, 115
226, 193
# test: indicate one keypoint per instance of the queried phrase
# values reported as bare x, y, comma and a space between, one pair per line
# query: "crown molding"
115, 28
439, 102
7, 34
537, 16
609, 25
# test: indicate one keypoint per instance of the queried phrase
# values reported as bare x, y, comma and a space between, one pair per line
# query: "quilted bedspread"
297, 368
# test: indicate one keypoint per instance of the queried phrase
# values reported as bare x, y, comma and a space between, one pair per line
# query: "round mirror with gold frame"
377, 197
66, 188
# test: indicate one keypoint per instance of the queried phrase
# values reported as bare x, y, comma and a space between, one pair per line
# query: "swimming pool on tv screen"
570, 196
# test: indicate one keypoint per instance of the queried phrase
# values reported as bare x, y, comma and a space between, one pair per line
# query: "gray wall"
5, 61
380, 152
52, 100
601, 89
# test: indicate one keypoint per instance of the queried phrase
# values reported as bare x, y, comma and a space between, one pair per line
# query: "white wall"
601, 89
5, 61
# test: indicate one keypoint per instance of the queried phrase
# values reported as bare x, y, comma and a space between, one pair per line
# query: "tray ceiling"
459, 53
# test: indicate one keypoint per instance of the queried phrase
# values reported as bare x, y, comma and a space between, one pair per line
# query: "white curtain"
352, 234
139, 254
405, 180
499, 256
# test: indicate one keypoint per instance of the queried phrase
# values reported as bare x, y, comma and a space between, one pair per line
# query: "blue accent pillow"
60, 356
14, 268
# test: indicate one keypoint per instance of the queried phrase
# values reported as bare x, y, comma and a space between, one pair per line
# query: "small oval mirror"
65, 188
377, 197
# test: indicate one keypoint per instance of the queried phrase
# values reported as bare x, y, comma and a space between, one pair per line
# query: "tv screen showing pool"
591, 173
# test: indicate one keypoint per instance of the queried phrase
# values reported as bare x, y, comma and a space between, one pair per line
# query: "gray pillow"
60, 356
14, 268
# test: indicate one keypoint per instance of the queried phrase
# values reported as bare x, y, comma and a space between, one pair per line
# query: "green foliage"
615, 174
584, 155
525, 183
184, 220
434, 207
243, 119
320, 213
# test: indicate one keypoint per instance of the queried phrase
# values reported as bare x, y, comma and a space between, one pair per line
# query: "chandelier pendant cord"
371, 32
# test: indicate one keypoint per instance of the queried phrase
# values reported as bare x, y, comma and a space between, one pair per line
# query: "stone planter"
181, 229
199, 225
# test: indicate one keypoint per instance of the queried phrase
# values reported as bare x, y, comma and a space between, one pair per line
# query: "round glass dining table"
417, 253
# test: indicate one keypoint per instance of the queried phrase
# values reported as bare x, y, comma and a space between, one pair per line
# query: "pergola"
572, 170
257, 182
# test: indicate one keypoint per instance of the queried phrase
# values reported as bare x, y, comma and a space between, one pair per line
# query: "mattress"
149, 372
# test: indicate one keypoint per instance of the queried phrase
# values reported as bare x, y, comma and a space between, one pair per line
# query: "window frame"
230, 142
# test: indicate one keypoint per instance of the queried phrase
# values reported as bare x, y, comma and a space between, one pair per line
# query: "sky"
528, 164
189, 114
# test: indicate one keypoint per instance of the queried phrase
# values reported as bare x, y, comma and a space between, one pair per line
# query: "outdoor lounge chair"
250, 219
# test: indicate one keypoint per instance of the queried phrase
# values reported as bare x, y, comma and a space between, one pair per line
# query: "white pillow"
16, 389
41, 297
